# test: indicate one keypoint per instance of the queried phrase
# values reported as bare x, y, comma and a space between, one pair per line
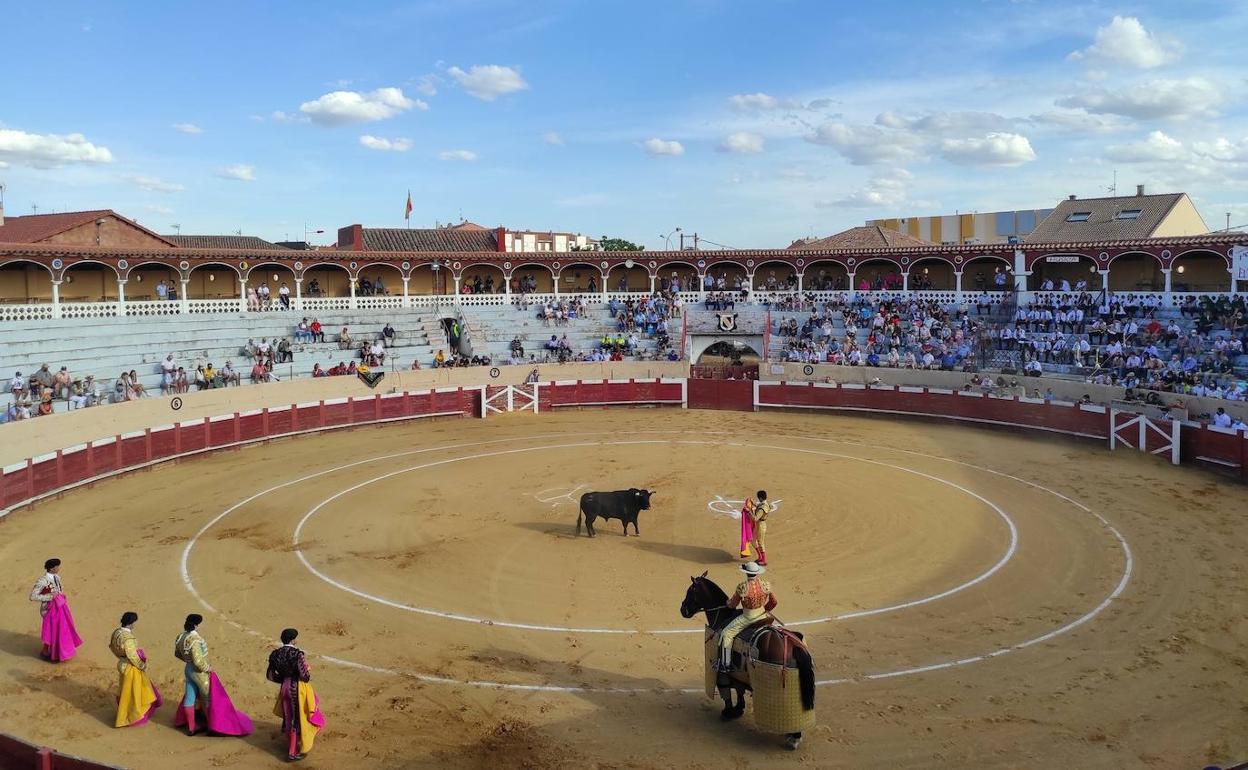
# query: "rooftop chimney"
1139, 189
1071, 198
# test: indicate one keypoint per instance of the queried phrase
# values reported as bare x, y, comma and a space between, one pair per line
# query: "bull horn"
704, 573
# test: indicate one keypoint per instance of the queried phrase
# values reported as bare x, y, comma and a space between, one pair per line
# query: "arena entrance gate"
497, 399
1144, 433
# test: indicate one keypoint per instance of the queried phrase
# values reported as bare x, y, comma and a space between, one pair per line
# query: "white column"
652, 284
851, 285
957, 285
1165, 273
407, 299
299, 294
352, 304
1104, 279
905, 281
242, 295
507, 287
1020, 287
556, 278
702, 287
56, 299
799, 282
184, 302
121, 296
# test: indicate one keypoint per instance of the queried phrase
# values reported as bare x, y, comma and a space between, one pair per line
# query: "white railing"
328, 303
480, 300
211, 306
39, 312
90, 309
159, 307
378, 303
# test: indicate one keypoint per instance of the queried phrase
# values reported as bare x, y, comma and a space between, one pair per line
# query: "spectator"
415, 364
1221, 418
317, 334
302, 332
162, 291
344, 340
283, 294
229, 374
180, 383
211, 376
17, 385
45, 404
439, 359
61, 384
284, 354
253, 300
258, 372
317, 371
387, 335
168, 368
42, 379
201, 379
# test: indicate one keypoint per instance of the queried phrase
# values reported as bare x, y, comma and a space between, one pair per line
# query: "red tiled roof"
221, 242
466, 226
34, 228
437, 239
866, 237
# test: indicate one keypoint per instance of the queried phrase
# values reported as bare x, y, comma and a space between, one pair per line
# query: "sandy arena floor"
964, 607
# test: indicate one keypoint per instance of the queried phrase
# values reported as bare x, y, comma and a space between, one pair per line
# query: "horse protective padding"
710, 654
778, 699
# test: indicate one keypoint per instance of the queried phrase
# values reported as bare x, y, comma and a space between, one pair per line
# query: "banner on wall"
1239, 262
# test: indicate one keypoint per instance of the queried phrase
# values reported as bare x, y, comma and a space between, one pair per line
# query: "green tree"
618, 244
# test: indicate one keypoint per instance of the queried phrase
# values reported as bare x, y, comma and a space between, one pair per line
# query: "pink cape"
58, 633
223, 718
747, 531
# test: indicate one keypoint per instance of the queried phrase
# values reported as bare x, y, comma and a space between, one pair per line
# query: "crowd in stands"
901, 333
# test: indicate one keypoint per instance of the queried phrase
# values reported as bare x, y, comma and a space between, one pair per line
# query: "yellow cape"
307, 705
137, 697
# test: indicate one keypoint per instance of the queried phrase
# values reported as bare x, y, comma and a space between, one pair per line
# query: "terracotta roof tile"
866, 237
220, 242
436, 239
1101, 223
34, 228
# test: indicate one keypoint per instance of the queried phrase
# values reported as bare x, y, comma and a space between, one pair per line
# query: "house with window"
1129, 217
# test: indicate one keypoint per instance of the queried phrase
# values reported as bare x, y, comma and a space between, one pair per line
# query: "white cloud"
154, 184
238, 172
867, 145
385, 145
885, 190
751, 102
464, 155
187, 128
487, 82
282, 117
994, 149
1161, 98
1157, 146
49, 150
947, 123
553, 138
742, 143
1076, 121
658, 147
156, 208
1223, 150
342, 107
428, 85
1125, 41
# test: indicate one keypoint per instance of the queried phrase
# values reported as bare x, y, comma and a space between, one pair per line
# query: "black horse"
775, 645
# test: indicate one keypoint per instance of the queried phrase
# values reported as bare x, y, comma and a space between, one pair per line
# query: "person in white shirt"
284, 295
162, 291
17, 385
1221, 418
168, 368
1065, 285
1047, 285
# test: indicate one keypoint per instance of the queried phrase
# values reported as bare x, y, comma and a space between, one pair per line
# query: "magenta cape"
747, 531
58, 631
223, 718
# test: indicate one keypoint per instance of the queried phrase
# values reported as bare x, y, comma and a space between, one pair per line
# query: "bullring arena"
997, 591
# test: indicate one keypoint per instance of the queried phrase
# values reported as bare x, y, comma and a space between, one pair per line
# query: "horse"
775, 645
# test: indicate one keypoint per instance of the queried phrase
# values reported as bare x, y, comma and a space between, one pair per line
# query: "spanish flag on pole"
407, 213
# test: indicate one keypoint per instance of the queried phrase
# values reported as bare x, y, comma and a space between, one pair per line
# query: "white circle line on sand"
1066, 628
1011, 549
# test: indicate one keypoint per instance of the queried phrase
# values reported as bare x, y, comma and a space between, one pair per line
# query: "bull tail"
805, 675
580, 512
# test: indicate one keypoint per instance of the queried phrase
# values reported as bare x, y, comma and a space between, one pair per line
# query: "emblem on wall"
727, 322
370, 377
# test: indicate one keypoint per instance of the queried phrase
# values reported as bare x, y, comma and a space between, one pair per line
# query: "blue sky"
753, 123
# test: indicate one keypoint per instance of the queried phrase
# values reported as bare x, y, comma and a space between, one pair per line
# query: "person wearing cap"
42, 378
755, 599
17, 385
45, 404
297, 703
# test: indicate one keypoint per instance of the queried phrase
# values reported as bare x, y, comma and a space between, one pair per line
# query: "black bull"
623, 505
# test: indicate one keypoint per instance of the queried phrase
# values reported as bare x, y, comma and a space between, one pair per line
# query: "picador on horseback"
745, 649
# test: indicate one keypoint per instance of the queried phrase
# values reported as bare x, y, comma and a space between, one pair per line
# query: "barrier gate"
497, 399
1143, 433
